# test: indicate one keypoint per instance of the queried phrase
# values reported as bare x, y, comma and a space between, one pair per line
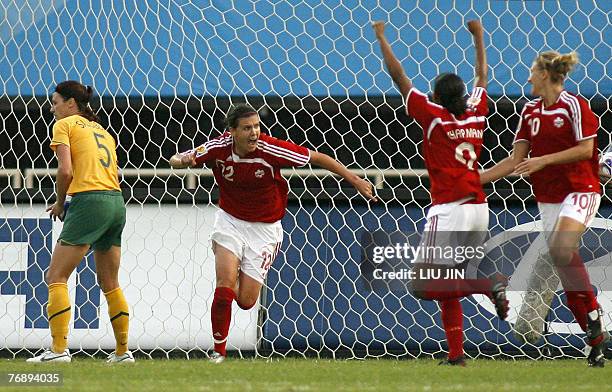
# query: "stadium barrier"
315, 302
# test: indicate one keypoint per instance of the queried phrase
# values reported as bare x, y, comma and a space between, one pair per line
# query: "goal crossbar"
190, 176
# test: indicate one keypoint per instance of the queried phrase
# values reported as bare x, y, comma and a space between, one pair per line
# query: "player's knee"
561, 255
107, 284
226, 278
246, 299
225, 282
246, 305
53, 276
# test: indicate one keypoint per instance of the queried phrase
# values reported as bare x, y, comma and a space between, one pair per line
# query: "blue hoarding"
36, 234
317, 299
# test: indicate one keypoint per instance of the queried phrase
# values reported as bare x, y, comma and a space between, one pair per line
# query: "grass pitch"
318, 375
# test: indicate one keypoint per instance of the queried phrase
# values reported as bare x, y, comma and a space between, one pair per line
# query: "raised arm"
506, 166
326, 162
393, 65
481, 69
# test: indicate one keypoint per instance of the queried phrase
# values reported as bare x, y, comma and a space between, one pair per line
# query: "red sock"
575, 278
452, 320
221, 315
575, 303
443, 289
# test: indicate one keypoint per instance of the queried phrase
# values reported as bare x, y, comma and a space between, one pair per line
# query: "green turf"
320, 375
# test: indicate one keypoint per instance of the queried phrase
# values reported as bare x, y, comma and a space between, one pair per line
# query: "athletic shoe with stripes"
597, 338
215, 357
50, 356
127, 357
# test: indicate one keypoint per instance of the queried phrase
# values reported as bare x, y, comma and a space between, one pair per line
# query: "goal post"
165, 74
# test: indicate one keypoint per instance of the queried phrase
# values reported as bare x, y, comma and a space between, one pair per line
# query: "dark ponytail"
81, 94
450, 93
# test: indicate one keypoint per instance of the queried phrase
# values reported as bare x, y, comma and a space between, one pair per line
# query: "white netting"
166, 72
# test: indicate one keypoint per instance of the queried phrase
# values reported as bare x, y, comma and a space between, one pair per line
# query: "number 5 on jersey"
99, 137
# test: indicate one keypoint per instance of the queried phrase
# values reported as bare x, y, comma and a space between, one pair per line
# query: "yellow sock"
58, 311
120, 318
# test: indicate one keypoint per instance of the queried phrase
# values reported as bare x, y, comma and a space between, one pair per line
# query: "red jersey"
557, 128
451, 145
251, 188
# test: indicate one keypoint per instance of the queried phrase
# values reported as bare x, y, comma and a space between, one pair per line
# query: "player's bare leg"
107, 271
448, 292
107, 268
64, 260
226, 268
248, 291
574, 277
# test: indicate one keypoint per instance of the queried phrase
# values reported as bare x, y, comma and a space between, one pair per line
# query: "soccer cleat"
597, 338
215, 357
498, 295
50, 356
596, 358
127, 357
459, 361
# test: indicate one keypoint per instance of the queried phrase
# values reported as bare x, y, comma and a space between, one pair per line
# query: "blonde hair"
558, 65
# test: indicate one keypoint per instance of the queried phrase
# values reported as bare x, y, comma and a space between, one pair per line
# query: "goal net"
165, 73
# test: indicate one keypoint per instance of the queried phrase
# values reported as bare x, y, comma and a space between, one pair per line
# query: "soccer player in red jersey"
452, 139
559, 132
247, 232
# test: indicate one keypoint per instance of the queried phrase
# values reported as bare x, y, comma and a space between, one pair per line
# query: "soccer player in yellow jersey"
87, 170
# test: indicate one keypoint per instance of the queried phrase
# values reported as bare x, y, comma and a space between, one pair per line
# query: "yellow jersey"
93, 152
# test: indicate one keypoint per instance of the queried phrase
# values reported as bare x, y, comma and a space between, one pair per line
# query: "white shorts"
453, 225
255, 244
581, 207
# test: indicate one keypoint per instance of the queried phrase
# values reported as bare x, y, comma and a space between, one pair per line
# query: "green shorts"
94, 218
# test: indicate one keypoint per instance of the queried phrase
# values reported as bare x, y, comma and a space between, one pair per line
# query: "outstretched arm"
506, 166
580, 152
326, 162
393, 65
481, 70
181, 161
